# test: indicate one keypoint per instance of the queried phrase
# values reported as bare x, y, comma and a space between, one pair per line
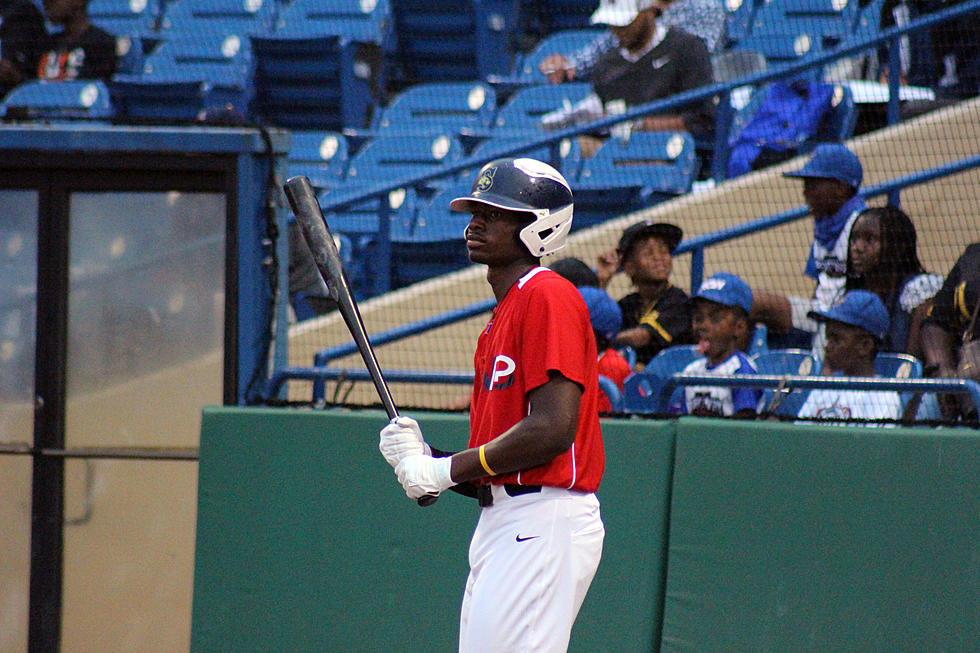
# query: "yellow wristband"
483, 461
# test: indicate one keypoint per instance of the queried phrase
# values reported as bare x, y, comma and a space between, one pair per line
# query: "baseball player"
535, 455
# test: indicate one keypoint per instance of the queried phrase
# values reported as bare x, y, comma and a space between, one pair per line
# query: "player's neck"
501, 278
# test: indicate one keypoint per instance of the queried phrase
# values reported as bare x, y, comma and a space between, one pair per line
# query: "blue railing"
340, 199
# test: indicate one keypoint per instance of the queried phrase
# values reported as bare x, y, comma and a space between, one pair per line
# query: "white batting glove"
400, 438
421, 475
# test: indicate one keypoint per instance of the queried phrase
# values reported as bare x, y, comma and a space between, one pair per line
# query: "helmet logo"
485, 181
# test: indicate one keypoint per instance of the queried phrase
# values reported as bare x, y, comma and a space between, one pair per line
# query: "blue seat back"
60, 100
898, 366
566, 157
364, 22
321, 156
794, 362
671, 360
738, 19
388, 157
521, 114
663, 162
241, 17
446, 107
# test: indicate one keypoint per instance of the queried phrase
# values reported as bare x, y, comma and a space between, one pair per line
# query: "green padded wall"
793, 538
305, 541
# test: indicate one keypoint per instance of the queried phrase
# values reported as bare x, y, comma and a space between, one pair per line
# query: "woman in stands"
882, 258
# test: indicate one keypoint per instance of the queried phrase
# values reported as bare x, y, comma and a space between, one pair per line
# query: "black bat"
306, 208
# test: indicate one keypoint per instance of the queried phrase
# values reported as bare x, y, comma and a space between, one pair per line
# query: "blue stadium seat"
172, 101
132, 23
786, 362
567, 151
566, 42
221, 61
643, 391
388, 157
241, 17
898, 366
320, 156
520, 115
453, 40
440, 107
620, 177
310, 83
611, 390
433, 244
59, 101
364, 22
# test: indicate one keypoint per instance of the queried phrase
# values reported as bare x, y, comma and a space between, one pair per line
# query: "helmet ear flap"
548, 233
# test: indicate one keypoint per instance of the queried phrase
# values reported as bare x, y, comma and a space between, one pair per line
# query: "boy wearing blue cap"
856, 327
831, 179
606, 318
721, 321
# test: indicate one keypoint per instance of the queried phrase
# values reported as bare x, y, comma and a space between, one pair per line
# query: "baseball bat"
319, 240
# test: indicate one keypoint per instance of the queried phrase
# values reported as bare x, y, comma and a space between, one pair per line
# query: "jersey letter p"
503, 367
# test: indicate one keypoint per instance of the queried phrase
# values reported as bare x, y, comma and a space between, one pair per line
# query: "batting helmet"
531, 186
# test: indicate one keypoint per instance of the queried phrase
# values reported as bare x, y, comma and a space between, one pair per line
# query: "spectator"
657, 315
948, 325
80, 50
652, 62
721, 321
882, 258
830, 189
22, 32
577, 271
606, 319
855, 329
704, 19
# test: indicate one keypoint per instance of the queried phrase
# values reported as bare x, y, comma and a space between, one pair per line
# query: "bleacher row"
647, 393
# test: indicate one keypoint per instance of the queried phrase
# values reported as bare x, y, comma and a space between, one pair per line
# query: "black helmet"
531, 186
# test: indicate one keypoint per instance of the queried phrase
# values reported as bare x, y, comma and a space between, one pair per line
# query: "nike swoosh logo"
525, 539
661, 62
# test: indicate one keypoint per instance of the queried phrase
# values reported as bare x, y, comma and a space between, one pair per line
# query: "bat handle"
389, 405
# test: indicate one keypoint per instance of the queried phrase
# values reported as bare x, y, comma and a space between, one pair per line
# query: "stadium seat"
133, 25
453, 40
898, 366
58, 101
364, 22
136, 99
785, 362
311, 83
611, 390
642, 392
624, 176
566, 157
440, 107
520, 116
564, 42
432, 245
388, 157
320, 156
221, 61
241, 17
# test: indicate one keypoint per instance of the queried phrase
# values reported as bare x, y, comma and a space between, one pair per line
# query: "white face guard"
549, 231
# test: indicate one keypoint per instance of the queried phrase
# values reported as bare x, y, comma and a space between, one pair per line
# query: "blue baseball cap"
858, 308
604, 312
832, 161
726, 288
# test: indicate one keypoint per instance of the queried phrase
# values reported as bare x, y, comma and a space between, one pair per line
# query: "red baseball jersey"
542, 324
